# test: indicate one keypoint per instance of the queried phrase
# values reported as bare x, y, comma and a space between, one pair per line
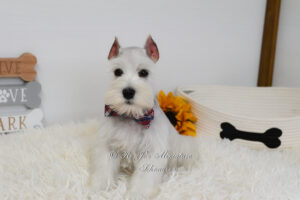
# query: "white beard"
143, 100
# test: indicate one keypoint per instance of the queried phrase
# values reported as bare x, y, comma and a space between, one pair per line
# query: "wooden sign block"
17, 122
27, 95
22, 67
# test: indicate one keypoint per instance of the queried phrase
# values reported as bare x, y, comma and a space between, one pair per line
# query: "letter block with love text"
27, 95
12, 96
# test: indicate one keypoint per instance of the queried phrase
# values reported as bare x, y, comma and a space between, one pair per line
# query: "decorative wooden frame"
268, 48
26, 94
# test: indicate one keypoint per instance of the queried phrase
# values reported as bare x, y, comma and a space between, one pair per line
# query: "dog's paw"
4, 95
139, 192
133, 194
100, 183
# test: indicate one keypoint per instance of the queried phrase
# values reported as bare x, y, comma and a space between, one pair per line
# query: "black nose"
128, 93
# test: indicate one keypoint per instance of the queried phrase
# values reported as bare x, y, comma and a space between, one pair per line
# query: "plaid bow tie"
144, 120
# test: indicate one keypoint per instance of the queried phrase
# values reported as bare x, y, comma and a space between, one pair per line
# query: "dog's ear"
114, 51
151, 49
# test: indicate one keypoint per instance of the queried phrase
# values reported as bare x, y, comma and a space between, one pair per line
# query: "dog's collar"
144, 120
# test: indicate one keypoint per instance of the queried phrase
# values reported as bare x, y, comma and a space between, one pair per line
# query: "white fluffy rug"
53, 164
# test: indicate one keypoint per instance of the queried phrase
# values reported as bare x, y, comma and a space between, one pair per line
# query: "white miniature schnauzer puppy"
135, 130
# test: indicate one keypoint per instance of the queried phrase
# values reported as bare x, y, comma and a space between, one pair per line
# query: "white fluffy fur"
125, 137
53, 163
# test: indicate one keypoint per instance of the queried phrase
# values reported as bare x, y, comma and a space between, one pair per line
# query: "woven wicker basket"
256, 117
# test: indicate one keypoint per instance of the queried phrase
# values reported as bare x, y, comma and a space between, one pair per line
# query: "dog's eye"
118, 72
143, 73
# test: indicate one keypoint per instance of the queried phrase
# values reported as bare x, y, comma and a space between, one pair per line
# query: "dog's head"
131, 92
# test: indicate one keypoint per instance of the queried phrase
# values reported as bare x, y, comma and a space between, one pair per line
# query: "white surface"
287, 61
200, 42
54, 164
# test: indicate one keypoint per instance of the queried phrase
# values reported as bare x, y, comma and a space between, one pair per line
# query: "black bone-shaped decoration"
270, 138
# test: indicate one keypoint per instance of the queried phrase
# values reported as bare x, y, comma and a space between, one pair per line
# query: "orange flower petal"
185, 118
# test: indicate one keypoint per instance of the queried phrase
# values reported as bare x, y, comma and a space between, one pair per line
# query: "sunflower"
179, 113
